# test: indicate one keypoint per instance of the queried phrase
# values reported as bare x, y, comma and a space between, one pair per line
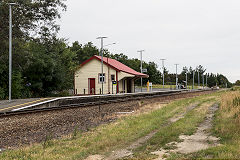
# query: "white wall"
91, 70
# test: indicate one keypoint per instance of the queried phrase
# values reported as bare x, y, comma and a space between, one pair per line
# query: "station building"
116, 78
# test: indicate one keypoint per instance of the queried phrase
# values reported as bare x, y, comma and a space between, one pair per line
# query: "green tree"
222, 81
212, 80
51, 68
31, 18
237, 83
154, 74
83, 52
32, 21
182, 76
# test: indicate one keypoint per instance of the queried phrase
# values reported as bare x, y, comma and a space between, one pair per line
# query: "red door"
91, 84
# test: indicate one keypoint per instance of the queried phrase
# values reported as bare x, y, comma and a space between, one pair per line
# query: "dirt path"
127, 152
196, 142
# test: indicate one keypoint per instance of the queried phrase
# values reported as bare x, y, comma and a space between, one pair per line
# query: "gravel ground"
31, 128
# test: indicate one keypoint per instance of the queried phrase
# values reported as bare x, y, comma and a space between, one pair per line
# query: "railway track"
97, 100
33, 125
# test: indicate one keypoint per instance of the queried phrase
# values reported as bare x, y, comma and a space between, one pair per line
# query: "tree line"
44, 64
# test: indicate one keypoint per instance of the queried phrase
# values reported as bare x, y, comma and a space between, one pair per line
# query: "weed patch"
226, 127
171, 133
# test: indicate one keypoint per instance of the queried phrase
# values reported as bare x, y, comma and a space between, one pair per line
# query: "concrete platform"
5, 105
22, 104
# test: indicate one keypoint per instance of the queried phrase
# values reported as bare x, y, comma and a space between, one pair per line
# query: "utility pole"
193, 80
186, 81
101, 52
163, 69
198, 79
10, 51
206, 79
141, 65
203, 80
176, 77
109, 80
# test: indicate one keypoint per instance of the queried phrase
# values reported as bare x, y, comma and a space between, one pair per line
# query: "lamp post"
141, 65
193, 79
186, 80
206, 80
101, 52
203, 80
198, 79
109, 70
10, 51
176, 77
163, 69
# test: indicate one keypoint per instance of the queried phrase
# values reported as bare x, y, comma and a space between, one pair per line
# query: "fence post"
84, 92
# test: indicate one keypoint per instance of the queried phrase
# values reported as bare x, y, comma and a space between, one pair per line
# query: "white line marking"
55, 99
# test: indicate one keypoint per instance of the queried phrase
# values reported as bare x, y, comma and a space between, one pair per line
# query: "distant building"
88, 77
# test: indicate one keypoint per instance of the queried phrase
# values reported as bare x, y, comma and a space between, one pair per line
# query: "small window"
113, 77
101, 78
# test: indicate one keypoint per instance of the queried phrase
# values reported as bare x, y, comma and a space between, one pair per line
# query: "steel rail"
99, 101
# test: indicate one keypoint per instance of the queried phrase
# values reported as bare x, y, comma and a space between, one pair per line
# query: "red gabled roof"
116, 65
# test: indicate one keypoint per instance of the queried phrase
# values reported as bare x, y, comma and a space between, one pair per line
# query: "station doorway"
91, 84
129, 86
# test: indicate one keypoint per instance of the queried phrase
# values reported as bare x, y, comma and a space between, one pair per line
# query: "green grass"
105, 138
235, 88
171, 133
227, 127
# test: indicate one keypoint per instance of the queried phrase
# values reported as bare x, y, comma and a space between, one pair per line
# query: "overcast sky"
188, 32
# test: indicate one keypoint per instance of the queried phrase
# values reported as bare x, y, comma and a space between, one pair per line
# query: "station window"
101, 77
113, 77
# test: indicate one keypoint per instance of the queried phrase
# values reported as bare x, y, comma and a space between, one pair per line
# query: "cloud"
187, 32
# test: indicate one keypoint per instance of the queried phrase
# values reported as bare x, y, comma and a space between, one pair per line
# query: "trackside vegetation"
171, 133
226, 126
106, 138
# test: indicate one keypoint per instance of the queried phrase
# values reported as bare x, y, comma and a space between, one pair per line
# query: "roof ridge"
119, 66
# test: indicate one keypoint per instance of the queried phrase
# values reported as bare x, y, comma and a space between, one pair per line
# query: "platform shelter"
116, 77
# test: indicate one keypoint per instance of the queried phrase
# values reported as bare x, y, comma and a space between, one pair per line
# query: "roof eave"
142, 76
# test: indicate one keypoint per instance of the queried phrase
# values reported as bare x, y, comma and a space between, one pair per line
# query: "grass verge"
104, 138
226, 127
171, 133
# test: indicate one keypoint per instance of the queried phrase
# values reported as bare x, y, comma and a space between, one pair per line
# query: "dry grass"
170, 133
226, 127
230, 105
